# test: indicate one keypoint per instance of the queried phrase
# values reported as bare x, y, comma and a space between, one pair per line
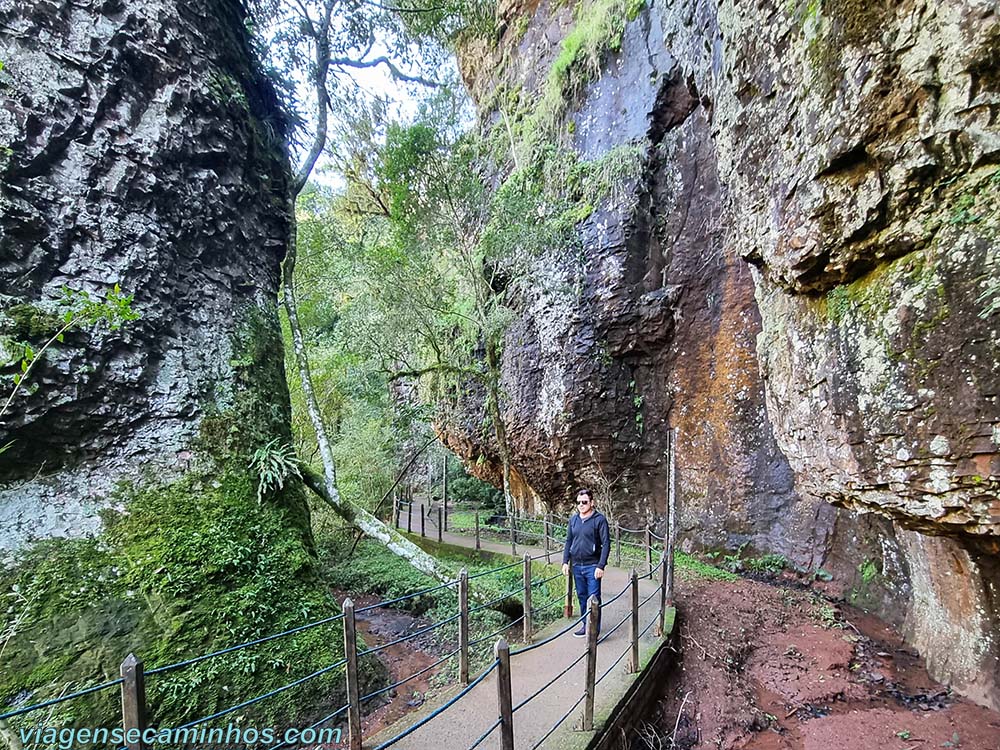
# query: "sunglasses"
583, 502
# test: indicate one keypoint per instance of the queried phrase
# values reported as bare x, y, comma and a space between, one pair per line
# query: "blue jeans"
586, 587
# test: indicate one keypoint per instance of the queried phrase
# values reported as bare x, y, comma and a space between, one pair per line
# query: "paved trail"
462, 724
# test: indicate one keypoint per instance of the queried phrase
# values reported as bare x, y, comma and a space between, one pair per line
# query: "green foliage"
273, 464
962, 214
869, 571
187, 567
74, 309
692, 567
769, 564
990, 298
598, 32
838, 303
473, 490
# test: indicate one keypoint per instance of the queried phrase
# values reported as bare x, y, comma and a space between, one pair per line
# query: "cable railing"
545, 531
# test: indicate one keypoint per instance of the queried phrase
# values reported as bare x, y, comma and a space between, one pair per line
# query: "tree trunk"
373, 528
499, 427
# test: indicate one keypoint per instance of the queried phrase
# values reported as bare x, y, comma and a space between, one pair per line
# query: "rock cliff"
803, 281
141, 147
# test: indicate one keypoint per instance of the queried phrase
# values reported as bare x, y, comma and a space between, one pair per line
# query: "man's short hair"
588, 493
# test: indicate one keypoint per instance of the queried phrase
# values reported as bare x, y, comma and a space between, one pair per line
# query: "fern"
274, 464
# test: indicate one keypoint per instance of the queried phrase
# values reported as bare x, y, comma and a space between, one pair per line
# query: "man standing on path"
588, 542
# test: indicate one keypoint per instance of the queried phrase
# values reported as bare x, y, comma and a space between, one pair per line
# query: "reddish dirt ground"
771, 668
382, 625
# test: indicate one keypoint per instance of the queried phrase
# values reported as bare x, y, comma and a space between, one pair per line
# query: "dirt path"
770, 668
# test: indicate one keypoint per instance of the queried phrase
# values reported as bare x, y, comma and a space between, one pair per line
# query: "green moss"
186, 566
30, 323
842, 23
226, 90
599, 28
690, 566
868, 570
857, 22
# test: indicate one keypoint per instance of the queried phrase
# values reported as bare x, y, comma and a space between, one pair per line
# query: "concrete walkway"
460, 726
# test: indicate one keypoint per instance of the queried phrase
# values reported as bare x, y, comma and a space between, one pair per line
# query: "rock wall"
141, 148
802, 282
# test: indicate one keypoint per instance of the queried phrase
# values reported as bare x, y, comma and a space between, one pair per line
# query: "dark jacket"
588, 542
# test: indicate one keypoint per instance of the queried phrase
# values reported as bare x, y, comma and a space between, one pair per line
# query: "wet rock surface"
800, 281
141, 148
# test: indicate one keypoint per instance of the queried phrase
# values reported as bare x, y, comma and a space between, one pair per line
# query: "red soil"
770, 668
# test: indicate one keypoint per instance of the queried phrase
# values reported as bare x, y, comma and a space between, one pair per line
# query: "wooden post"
658, 631
568, 605
133, 702
440, 525
649, 549
545, 533
668, 585
505, 703
527, 598
463, 626
423, 517
409, 517
395, 508
618, 544
353, 694
444, 488
478, 544
633, 665
593, 609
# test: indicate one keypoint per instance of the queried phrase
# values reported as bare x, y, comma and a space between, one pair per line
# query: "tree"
328, 40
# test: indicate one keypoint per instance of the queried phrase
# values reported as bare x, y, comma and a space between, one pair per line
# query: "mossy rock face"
30, 323
183, 569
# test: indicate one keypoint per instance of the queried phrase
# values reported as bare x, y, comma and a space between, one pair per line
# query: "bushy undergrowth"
188, 567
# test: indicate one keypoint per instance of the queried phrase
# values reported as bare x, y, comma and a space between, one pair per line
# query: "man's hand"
565, 569
598, 573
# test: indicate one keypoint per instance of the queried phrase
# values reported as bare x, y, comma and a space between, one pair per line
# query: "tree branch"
396, 73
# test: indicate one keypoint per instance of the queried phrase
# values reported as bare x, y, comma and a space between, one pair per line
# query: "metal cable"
613, 665
484, 735
617, 596
621, 622
548, 603
546, 580
437, 712
495, 570
490, 603
556, 725
548, 684
551, 638
395, 685
313, 726
61, 699
495, 633
230, 649
244, 704
406, 597
651, 622
654, 593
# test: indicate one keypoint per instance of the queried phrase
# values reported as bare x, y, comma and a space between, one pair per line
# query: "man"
588, 542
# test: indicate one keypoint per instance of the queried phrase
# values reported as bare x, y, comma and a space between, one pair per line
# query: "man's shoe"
581, 633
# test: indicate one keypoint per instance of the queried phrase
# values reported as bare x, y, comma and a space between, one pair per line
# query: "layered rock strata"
141, 149
803, 281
